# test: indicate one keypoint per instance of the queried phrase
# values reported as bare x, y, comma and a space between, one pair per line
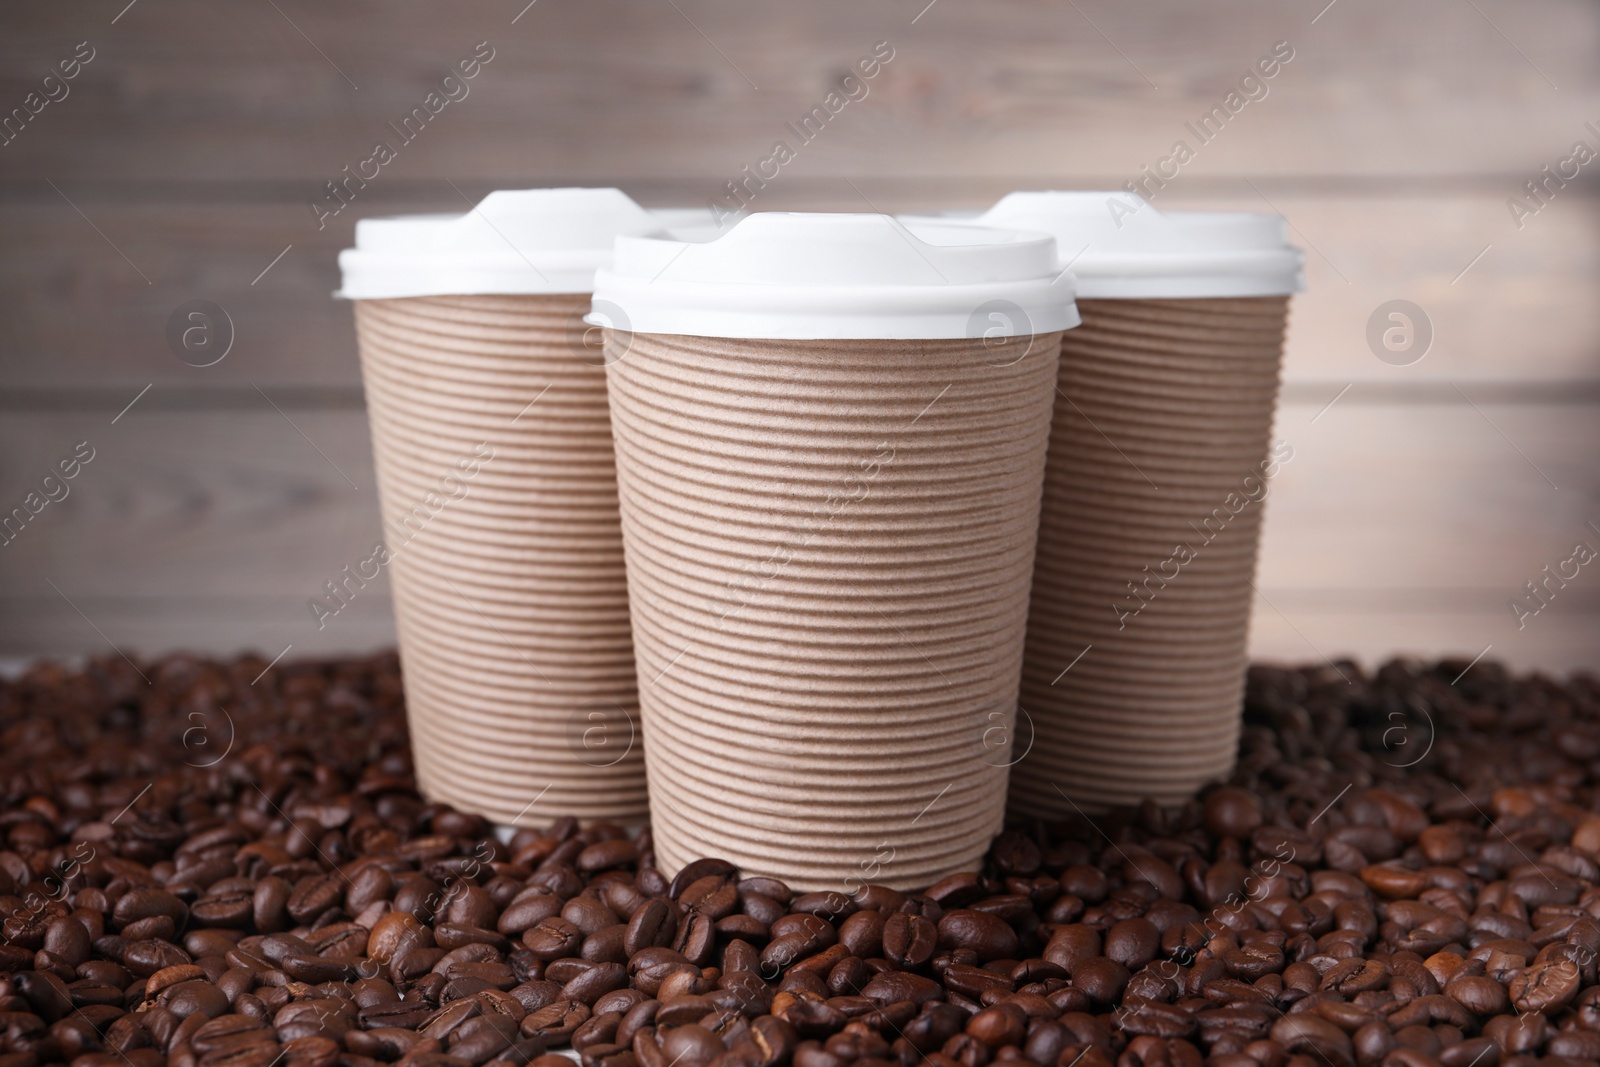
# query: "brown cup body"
1156, 477
829, 547
507, 573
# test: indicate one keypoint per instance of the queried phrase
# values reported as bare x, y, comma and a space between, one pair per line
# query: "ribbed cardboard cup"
829, 548
830, 434
1153, 496
508, 583
1162, 418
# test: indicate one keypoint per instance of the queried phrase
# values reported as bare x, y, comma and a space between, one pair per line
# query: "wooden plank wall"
181, 162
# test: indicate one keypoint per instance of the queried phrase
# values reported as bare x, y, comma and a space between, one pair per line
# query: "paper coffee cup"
487, 399
1159, 458
830, 435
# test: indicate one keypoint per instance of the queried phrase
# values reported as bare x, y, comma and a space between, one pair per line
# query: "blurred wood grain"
1523, 313
182, 160
239, 90
212, 529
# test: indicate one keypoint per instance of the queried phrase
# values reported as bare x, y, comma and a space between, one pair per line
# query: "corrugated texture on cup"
508, 582
829, 547
1160, 439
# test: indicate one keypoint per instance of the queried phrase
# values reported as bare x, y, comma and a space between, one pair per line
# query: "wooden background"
182, 161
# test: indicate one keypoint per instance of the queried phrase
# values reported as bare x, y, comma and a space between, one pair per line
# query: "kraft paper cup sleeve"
1165, 407
830, 435
822, 703
511, 599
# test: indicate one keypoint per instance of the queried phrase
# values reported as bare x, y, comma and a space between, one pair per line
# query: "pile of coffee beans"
203, 864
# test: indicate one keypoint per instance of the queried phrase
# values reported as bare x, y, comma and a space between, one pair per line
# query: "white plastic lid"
677, 218
802, 276
1122, 247
513, 241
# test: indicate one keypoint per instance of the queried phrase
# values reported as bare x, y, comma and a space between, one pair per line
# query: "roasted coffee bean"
469, 905
313, 895
1475, 1050
653, 925
526, 911
683, 1008
893, 986
647, 974
148, 902
1317, 1037
1574, 1044
344, 941
369, 885
402, 1015
269, 905
862, 934
1071, 943
1430, 1010
1141, 1015
811, 1017
535, 994
1133, 942
594, 983
906, 940
692, 1045
759, 908
771, 1041
601, 1029
417, 895
395, 934
450, 1017
44, 993
604, 855
1256, 927
562, 970
479, 1040
68, 940
552, 938
171, 976
739, 956
1479, 995
145, 958
714, 895
555, 1022
620, 1001
640, 1017
847, 976
1232, 812
455, 935
1545, 987
1517, 1034
391, 1044
316, 969
702, 868
606, 946
1003, 1024
588, 914
1372, 1042
987, 935
974, 982
234, 908
313, 1050
315, 1016
156, 927
1101, 978
818, 929
229, 1031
